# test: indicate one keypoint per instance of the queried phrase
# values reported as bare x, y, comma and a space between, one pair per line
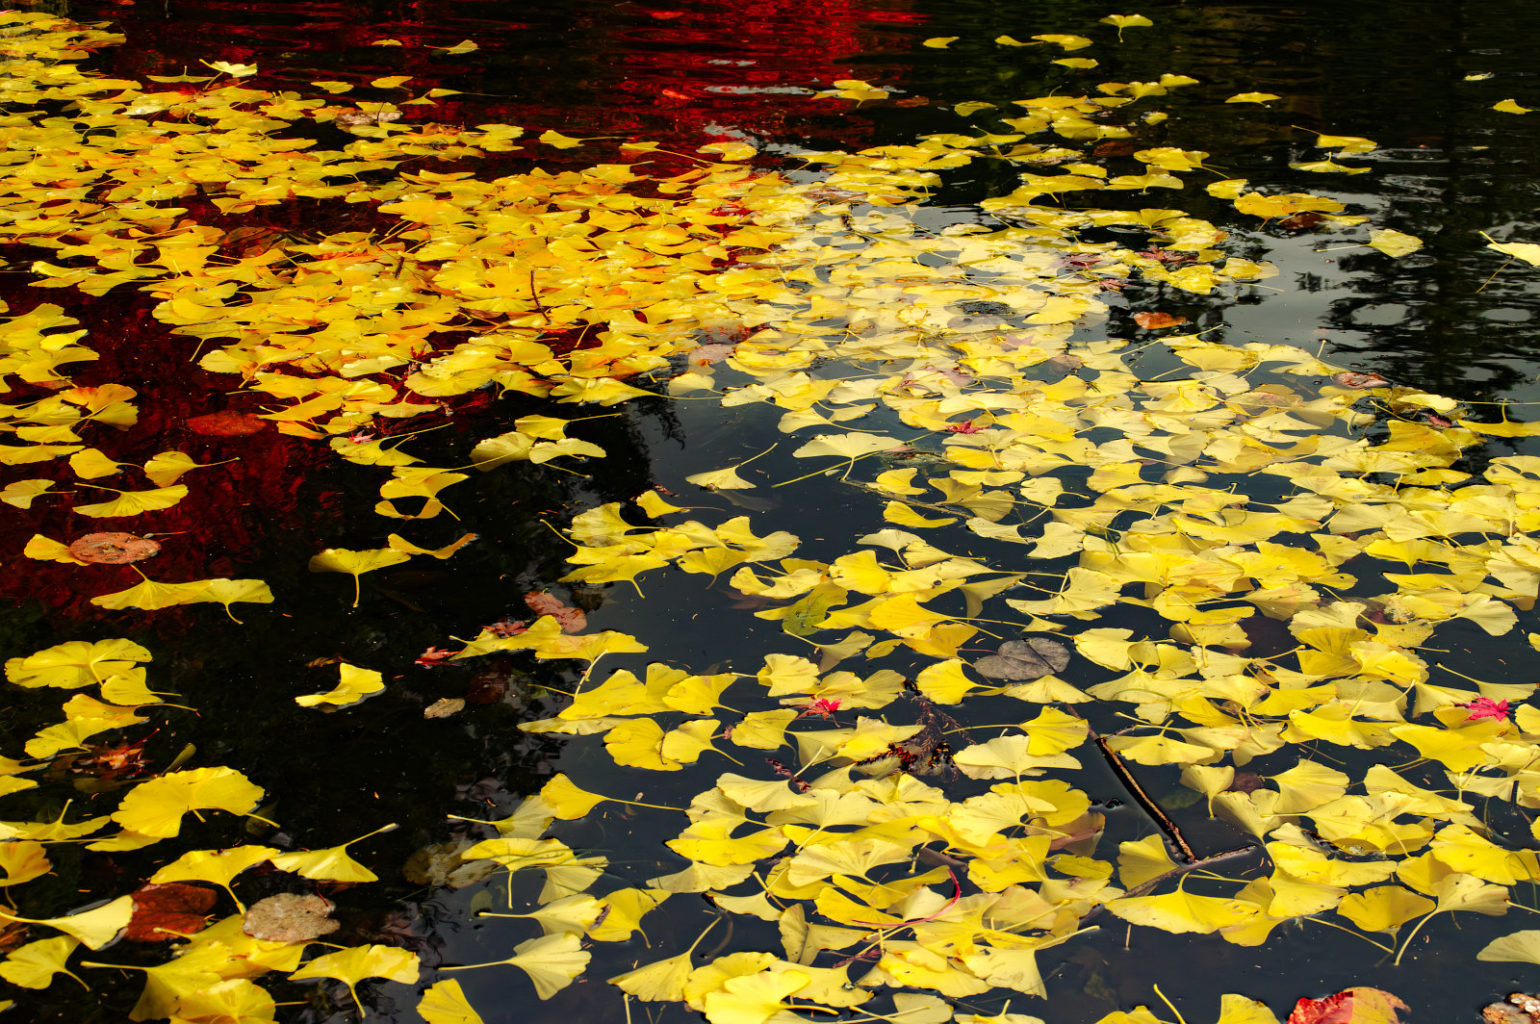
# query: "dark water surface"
1447, 168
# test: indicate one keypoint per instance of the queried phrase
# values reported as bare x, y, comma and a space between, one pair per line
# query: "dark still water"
1419, 79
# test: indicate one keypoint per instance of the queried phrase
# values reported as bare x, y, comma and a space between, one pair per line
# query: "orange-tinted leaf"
1155, 321
113, 548
572, 619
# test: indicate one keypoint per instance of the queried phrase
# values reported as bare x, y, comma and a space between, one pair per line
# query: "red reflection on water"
684, 74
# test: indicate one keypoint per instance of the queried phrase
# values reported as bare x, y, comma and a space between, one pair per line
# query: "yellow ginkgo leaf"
155, 807
551, 961
91, 464
1529, 252
351, 966
1508, 106
35, 964
720, 480
227, 592
444, 1003
21, 493
557, 140
1253, 97
662, 981
76, 663
356, 563
150, 595
22, 860
92, 928
331, 864
354, 685
1384, 908
1141, 861
846, 446
566, 799
133, 503
233, 70
625, 910
45, 549
1517, 947
1394, 243
463, 46
166, 468
1181, 911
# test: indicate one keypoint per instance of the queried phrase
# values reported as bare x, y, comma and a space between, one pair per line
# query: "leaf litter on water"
859, 851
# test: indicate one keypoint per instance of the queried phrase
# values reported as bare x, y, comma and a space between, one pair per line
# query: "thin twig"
1144, 800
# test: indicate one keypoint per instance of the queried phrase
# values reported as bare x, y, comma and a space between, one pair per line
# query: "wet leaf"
444, 1002
164, 913
113, 548
354, 686
353, 965
1360, 1005
1022, 660
290, 918
35, 964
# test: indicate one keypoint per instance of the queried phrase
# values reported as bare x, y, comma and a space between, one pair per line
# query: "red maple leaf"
1486, 707
507, 627
820, 708
965, 427
434, 656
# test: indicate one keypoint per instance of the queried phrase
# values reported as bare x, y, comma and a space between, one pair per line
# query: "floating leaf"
1021, 660
351, 966
354, 686
113, 548
292, 918
1394, 243
155, 807
356, 563
133, 503
444, 1002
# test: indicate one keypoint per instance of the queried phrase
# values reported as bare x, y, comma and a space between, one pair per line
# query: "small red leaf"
1486, 707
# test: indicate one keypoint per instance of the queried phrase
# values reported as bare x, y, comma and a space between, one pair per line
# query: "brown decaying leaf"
1024, 660
289, 917
444, 707
227, 423
113, 548
572, 619
166, 912
1155, 321
1360, 379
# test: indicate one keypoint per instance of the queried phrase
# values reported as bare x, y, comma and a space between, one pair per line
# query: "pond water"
1449, 319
